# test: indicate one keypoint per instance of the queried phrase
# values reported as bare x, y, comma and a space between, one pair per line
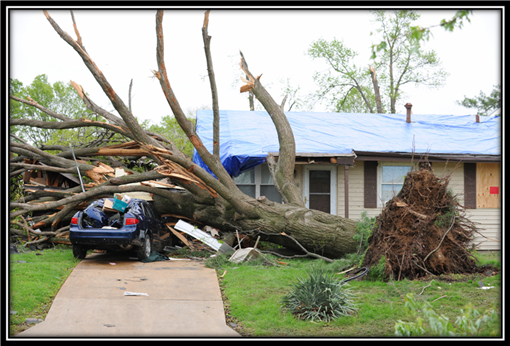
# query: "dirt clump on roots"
422, 231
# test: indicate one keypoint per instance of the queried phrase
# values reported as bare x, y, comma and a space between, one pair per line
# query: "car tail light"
74, 221
131, 221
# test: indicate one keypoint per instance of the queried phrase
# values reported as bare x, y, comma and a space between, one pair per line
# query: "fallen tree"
217, 202
422, 231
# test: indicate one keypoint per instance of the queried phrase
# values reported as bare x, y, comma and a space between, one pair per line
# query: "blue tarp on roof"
247, 137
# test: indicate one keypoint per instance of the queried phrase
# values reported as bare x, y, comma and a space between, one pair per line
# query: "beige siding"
456, 172
487, 220
356, 193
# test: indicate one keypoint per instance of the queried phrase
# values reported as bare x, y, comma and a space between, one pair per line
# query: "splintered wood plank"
180, 236
488, 185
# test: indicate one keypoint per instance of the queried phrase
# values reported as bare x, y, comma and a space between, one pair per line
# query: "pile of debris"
207, 239
422, 231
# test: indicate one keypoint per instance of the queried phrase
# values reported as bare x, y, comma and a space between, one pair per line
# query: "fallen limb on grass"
307, 253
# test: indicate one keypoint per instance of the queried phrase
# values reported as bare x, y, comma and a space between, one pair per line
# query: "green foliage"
16, 187
295, 101
469, 323
484, 105
320, 297
170, 129
378, 272
343, 86
364, 228
401, 61
416, 34
60, 98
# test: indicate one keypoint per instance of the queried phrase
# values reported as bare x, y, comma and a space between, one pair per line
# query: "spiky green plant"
320, 297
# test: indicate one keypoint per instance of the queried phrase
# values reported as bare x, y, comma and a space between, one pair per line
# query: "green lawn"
254, 294
34, 280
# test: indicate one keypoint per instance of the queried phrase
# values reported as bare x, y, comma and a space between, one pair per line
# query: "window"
391, 180
258, 182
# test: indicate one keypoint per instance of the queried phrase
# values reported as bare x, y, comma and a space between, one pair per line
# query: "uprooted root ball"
422, 231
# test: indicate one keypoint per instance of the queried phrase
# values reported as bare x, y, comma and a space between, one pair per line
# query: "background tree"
293, 99
400, 62
59, 97
168, 127
342, 79
484, 105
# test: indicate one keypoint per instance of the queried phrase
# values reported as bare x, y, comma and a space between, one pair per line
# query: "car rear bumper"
101, 237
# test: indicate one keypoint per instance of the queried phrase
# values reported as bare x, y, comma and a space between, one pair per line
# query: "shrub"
468, 323
378, 272
320, 297
364, 228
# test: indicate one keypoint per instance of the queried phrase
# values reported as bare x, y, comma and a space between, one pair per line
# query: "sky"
122, 42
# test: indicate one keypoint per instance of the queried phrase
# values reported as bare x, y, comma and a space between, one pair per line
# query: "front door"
319, 188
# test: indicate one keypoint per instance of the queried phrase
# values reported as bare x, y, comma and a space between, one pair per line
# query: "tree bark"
214, 89
376, 90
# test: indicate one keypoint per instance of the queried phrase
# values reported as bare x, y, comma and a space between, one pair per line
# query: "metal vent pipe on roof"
408, 107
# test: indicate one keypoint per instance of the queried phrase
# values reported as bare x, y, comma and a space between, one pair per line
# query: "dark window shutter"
370, 177
470, 185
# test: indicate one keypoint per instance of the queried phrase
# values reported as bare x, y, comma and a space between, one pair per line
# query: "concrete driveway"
183, 300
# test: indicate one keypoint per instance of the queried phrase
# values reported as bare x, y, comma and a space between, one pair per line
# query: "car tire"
145, 250
79, 251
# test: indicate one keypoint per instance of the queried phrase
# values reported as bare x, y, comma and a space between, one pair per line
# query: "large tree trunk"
321, 233
217, 202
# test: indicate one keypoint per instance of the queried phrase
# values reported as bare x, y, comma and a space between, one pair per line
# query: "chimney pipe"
477, 118
408, 107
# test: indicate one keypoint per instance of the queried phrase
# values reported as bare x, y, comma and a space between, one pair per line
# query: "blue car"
106, 229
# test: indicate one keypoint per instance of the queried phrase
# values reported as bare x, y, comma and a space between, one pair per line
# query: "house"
350, 163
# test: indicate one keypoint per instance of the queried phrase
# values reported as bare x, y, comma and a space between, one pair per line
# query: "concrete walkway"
184, 300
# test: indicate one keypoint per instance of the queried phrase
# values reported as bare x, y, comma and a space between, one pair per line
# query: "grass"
253, 293
34, 280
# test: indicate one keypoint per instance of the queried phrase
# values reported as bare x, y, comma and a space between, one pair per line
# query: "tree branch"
38, 106
214, 90
376, 90
69, 124
119, 105
224, 186
284, 172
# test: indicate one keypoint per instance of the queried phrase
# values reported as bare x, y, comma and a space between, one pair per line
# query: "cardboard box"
108, 205
119, 205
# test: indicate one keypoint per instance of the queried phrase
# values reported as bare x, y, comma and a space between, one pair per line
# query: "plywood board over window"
488, 185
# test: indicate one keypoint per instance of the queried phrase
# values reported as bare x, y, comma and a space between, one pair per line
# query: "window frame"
258, 181
380, 202
333, 184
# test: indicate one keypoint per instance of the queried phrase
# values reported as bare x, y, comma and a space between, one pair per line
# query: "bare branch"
117, 102
38, 106
95, 108
225, 186
69, 124
214, 90
284, 173
77, 32
130, 87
